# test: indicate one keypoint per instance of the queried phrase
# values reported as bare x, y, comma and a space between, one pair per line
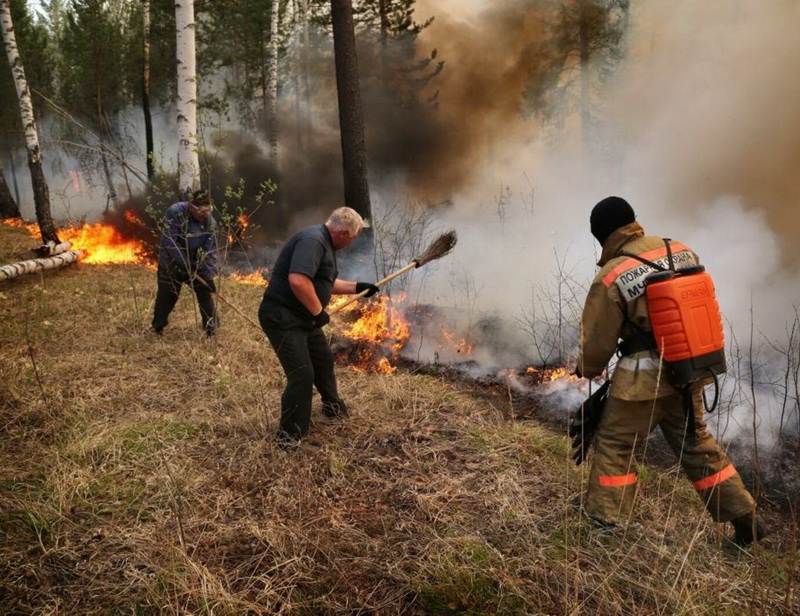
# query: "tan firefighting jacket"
616, 306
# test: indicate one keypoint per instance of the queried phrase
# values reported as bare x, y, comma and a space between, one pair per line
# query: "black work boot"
334, 408
749, 528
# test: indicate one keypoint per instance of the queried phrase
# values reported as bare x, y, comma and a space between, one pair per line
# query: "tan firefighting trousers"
612, 479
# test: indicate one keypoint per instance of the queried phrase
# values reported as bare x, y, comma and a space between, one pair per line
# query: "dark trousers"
308, 362
169, 289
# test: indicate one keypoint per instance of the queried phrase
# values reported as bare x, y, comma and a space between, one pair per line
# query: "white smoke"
708, 135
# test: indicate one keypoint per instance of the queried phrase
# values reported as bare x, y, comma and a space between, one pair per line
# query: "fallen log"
13, 270
51, 249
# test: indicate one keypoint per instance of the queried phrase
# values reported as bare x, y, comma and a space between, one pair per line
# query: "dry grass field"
138, 476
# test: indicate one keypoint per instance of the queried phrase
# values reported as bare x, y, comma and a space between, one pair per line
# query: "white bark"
272, 83
21, 83
41, 193
51, 248
7, 272
188, 161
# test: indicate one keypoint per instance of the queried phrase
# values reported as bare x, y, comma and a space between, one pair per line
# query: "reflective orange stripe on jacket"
650, 255
616, 481
712, 480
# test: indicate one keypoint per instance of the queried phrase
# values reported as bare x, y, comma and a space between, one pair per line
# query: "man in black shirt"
292, 315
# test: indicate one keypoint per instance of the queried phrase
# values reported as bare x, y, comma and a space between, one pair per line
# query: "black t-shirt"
310, 252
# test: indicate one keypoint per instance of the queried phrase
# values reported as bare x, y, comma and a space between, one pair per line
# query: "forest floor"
139, 475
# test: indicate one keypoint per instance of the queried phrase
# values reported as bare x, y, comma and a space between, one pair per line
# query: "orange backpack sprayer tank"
686, 322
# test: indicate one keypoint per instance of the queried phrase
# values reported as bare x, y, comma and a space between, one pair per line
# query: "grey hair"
347, 219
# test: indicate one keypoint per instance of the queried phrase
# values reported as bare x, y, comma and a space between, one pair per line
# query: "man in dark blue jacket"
292, 315
187, 255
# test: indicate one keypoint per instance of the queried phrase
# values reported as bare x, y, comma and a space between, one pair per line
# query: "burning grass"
138, 474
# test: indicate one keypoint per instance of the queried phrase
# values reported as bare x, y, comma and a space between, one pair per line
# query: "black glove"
321, 319
363, 286
585, 421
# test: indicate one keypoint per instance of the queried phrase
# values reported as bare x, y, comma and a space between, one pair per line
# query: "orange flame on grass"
461, 346
101, 242
21, 224
383, 328
380, 323
548, 375
256, 278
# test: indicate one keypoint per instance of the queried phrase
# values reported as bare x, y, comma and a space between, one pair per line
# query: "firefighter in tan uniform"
640, 398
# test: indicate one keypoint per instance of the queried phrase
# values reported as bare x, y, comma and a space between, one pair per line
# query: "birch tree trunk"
13, 270
41, 193
351, 121
148, 120
188, 160
8, 207
272, 84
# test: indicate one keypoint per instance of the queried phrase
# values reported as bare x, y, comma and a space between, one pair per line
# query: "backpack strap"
643, 340
655, 266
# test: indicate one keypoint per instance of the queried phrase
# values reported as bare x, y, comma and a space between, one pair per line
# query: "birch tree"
188, 160
41, 192
272, 83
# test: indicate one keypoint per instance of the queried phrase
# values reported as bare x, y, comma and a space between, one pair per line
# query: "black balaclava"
609, 215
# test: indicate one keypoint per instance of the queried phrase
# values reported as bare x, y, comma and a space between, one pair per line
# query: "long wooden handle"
230, 304
358, 296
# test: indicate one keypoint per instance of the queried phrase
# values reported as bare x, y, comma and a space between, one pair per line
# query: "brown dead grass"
138, 475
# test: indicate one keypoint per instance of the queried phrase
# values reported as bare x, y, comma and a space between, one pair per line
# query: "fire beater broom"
441, 246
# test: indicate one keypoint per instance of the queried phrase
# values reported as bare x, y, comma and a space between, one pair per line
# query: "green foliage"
234, 38
93, 62
162, 50
33, 44
461, 582
578, 31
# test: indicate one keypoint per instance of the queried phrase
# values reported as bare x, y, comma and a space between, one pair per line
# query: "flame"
238, 229
382, 327
381, 323
460, 346
21, 224
131, 217
102, 243
549, 375
257, 278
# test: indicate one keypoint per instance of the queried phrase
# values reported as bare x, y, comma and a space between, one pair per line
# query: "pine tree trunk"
148, 120
8, 207
351, 121
41, 193
188, 160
